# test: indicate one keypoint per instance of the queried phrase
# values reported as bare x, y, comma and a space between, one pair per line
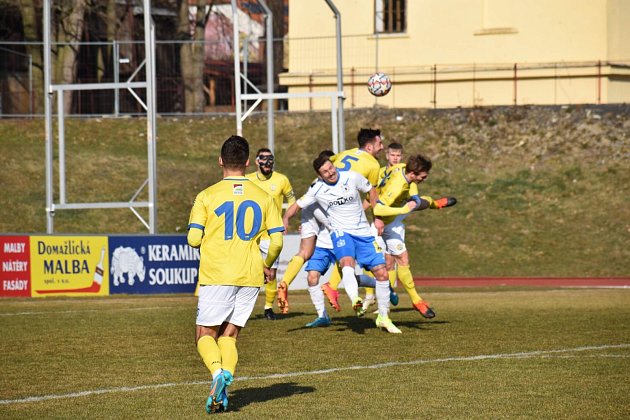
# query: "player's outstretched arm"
291, 211
381, 210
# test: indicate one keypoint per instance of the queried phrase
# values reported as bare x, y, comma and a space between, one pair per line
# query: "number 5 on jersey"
347, 162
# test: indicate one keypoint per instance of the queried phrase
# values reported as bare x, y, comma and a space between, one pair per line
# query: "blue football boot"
323, 321
217, 389
393, 296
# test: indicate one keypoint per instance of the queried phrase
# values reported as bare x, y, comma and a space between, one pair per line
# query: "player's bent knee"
380, 272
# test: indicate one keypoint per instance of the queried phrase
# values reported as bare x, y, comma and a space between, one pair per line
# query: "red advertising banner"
15, 271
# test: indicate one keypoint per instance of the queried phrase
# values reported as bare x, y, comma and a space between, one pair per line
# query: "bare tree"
69, 31
192, 56
30, 26
279, 30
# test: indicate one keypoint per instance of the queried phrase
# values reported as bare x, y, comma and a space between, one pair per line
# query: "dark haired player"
226, 222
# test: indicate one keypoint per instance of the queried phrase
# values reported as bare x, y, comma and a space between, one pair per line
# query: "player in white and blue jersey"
339, 194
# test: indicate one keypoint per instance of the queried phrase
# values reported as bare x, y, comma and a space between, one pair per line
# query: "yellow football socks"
404, 274
392, 278
229, 354
210, 353
271, 290
335, 278
293, 268
369, 291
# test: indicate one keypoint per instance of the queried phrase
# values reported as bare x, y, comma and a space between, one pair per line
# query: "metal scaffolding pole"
59, 89
237, 68
48, 98
270, 89
340, 120
149, 46
338, 137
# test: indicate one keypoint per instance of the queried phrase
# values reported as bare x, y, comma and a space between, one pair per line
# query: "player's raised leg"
419, 304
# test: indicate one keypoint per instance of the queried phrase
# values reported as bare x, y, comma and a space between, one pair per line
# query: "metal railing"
114, 62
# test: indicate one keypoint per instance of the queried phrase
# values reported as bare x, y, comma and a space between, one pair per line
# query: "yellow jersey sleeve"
287, 192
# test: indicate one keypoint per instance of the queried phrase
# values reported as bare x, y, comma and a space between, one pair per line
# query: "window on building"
390, 16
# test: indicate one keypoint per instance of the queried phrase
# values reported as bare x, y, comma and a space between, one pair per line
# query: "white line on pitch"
316, 372
78, 311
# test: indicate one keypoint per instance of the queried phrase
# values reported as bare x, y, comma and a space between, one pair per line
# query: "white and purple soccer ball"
379, 84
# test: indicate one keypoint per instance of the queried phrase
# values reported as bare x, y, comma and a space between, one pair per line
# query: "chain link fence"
308, 65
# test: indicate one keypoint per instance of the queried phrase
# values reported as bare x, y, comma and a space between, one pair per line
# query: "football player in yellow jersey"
362, 160
279, 187
398, 196
226, 222
394, 156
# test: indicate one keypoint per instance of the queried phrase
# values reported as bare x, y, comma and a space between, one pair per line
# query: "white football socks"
350, 282
317, 297
382, 298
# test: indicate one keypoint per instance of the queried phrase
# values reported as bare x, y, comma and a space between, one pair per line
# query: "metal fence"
308, 65
100, 62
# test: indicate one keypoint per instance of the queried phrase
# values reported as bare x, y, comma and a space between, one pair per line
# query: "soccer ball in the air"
379, 84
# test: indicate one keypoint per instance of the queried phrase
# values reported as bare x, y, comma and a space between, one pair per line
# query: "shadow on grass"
357, 325
279, 316
242, 397
363, 324
419, 324
354, 324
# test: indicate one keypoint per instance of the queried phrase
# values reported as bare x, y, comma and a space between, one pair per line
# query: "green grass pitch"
489, 353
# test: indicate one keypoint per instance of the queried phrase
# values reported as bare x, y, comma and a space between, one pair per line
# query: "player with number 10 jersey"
233, 213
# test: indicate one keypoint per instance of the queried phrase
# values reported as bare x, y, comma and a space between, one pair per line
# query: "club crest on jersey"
341, 243
237, 189
273, 187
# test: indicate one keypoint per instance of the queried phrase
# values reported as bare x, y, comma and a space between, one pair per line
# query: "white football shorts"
392, 241
264, 250
220, 303
313, 219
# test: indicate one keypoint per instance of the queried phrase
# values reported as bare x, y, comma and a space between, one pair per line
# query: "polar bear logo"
126, 260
